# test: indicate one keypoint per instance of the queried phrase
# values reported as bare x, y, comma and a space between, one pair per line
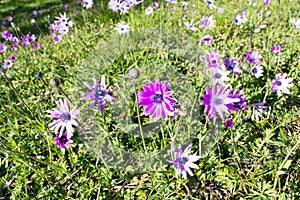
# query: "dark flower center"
217, 101
228, 123
252, 59
157, 98
182, 160
209, 2
231, 66
213, 61
206, 39
278, 83
237, 104
63, 139
254, 71
65, 117
99, 94
218, 75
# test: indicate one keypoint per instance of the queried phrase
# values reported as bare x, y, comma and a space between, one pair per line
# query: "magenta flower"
156, 98
253, 58
213, 59
15, 41
63, 140
9, 18
13, 58
6, 35
276, 49
236, 106
207, 40
99, 94
184, 162
217, 101
64, 118
155, 5
281, 84
27, 39
267, 2
228, 123
36, 46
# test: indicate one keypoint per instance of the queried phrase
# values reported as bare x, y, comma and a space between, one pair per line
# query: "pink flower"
276, 49
281, 84
157, 100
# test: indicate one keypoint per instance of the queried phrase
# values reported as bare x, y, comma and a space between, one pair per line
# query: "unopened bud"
54, 82
133, 73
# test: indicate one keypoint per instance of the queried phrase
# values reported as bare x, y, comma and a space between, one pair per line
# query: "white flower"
240, 19
87, 4
8, 64
210, 3
190, 26
219, 75
122, 28
295, 23
32, 21
257, 71
258, 109
148, 10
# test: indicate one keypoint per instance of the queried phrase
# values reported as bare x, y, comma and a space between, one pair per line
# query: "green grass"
253, 160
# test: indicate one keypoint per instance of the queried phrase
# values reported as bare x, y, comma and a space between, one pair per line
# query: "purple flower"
232, 65
13, 58
228, 123
155, 5
27, 39
4, 23
156, 98
276, 49
99, 94
208, 22
63, 140
267, 2
87, 4
7, 35
184, 4
257, 71
258, 108
9, 18
217, 101
36, 46
3, 48
281, 84
207, 40
15, 41
184, 162
210, 3
56, 38
253, 58
8, 64
64, 118
213, 59
236, 106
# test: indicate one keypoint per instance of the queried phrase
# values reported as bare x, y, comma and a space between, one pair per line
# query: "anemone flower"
64, 118
184, 162
156, 97
99, 94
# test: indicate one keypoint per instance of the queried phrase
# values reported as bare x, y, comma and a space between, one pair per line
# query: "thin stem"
60, 90
138, 115
15, 91
176, 133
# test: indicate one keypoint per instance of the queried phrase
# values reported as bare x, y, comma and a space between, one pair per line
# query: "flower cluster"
123, 6
60, 27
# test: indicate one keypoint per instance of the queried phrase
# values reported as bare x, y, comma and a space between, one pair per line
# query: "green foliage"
253, 160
